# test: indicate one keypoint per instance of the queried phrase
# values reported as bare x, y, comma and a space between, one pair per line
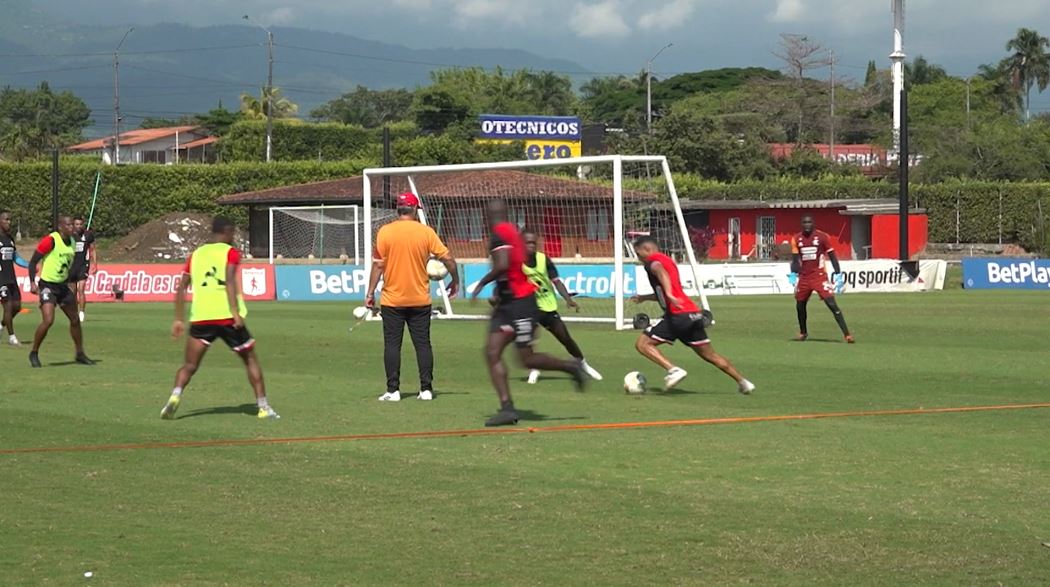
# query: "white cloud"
601, 20
788, 11
668, 16
281, 15
504, 10
412, 4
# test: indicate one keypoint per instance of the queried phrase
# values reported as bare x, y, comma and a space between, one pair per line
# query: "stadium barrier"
349, 282
155, 283
1006, 274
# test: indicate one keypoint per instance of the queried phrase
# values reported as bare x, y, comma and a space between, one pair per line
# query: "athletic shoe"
745, 387
850, 339
390, 396
504, 417
81, 316
168, 411
534, 376
267, 413
591, 371
13, 340
426, 395
802, 337
579, 376
34, 361
83, 359
673, 377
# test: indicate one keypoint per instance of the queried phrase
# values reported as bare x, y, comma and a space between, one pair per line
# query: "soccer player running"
544, 275
10, 294
217, 311
55, 255
400, 258
808, 249
514, 316
682, 319
84, 262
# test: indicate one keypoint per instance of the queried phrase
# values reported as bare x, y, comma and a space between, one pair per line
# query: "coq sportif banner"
155, 283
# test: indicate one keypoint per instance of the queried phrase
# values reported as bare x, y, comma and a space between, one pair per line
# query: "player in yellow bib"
55, 255
544, 275
217, 311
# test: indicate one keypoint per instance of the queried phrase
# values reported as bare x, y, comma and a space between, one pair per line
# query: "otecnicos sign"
520, 128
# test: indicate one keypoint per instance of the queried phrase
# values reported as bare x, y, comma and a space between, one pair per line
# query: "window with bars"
470, 225
598, 224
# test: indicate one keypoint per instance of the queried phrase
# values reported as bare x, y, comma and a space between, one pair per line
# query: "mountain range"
168, 70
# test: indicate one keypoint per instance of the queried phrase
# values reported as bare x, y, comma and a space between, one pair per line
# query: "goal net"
317, 233
584, 211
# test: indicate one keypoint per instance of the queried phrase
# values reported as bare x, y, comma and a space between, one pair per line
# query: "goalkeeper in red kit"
809, 248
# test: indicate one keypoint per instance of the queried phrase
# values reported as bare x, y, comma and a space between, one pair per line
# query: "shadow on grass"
244, 409
823, 340
531, 416
70, 363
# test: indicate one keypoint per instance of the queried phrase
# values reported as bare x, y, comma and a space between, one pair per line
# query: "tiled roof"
133, 137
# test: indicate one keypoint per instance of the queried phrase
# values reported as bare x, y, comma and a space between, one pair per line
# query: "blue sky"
619, 35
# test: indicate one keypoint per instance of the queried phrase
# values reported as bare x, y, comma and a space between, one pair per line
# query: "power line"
146, 52
77, 68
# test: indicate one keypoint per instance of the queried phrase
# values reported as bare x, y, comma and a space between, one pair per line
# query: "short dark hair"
4, 211
78, 217
645, 240
220, 224
405, 210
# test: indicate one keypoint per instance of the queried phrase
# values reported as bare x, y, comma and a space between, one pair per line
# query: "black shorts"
59, 294
238, 339
10, 292
78, 274
688, 328
517, 317
548, 320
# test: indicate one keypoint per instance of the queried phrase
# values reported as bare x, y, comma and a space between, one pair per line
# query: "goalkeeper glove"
839, 281
792, 279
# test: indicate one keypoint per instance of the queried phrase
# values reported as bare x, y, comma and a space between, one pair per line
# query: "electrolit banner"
1006, 274
519, 128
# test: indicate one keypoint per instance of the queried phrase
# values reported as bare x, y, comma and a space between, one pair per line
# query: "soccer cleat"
83, 359
591, 371
802, 337
13, 340
504, 417
534, 376
390, 396
34, 361
425, 395
267, 413
673, 377
579, 376
168, 411
850, 339
745, 387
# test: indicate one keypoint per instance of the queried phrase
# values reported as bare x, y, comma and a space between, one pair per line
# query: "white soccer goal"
317, 233
585, 211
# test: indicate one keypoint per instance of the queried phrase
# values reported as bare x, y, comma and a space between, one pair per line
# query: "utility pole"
269, 88
649, 88
968, 102
116, 97
831, 146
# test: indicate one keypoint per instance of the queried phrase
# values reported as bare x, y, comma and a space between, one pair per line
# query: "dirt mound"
170, 238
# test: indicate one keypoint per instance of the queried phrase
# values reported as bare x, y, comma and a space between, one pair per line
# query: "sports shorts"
78, 274
548, 320
688, 328
517, 317
10, 292
814, 283
238, 339
59, 294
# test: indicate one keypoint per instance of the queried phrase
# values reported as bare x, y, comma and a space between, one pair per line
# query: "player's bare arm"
93, 263
665, 283
453, 271
34, 261
834, 262
638, 298
378, 266
564, 292
796, 263
179, 326
500, 264
233, 291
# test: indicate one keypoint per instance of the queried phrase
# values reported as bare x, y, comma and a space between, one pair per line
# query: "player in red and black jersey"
809, 248
514, 315
682, 319
10, 294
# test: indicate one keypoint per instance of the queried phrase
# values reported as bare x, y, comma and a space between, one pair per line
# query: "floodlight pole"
897, 57
116, 97
649, 88
269, 88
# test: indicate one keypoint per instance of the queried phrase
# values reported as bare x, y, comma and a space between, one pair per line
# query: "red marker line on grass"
505, 431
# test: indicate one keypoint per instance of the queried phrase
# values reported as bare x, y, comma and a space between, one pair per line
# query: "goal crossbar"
526, 164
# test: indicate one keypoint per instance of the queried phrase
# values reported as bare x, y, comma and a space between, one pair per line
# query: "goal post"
316, 233
584, 210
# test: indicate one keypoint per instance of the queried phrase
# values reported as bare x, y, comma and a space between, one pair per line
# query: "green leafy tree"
34, 121
218, 120
1030, 63
257, 107
699, 144
872, 74
368, 108
921, 71
435, 109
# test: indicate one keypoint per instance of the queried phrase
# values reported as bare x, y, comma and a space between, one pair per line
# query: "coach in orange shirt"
400, 257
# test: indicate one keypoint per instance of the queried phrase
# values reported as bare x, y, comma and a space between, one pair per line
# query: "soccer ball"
436, 270
634, 382
360, 312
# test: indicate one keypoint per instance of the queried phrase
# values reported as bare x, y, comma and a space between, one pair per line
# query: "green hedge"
298, 141
135, 194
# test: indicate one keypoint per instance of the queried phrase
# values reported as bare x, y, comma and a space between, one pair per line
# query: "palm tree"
255, 108
1004, 90
1030, 63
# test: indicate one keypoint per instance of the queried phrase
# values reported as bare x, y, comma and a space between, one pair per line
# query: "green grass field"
938, 499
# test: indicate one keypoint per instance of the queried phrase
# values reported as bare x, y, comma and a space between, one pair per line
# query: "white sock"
177, 392
262, 403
